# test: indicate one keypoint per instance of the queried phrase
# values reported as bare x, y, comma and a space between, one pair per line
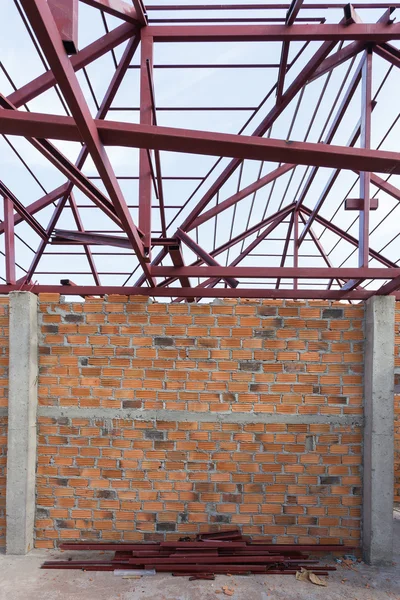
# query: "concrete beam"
184, 416
22, 407
378, 431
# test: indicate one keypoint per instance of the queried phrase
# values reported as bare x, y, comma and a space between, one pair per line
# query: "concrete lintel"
190, 416
22, 407
378, 431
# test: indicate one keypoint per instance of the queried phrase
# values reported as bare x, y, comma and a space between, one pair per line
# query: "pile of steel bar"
211, 553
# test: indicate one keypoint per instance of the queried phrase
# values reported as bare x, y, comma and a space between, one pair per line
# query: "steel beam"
84, 58
274, 272
131, 135
163, 292
369, 33
270, 6
387, 16
160, 186
351, 15
65, 237
385, 186
293, 11
365, 176
283, 63
351, 284
69, 282
388, 288
62, 236
389, 53
146, 118
338, 58
141, 13
295, 245
65, 14
9, 241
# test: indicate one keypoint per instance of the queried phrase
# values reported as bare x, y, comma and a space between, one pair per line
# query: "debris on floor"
226, 552
227, 591
305, 575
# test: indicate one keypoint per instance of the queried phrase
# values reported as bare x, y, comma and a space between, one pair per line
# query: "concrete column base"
22, 408
378, 432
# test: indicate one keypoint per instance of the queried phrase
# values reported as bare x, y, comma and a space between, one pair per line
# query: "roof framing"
345, 51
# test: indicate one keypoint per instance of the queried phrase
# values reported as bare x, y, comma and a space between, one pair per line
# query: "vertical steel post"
365, 177
295, 244
9, 240
146, 118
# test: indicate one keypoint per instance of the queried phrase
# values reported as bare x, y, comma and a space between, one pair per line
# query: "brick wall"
136, 480
397, 408
164, 419
3, 418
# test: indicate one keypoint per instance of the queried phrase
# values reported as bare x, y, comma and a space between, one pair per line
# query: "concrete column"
378, 432
22, 407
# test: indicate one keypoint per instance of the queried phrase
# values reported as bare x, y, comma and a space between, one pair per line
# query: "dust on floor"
22, 579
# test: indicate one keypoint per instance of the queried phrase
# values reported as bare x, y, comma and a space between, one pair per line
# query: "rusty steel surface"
127, 125
208, 554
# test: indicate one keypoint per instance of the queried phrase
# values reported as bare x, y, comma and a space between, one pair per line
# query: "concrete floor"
21, 579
